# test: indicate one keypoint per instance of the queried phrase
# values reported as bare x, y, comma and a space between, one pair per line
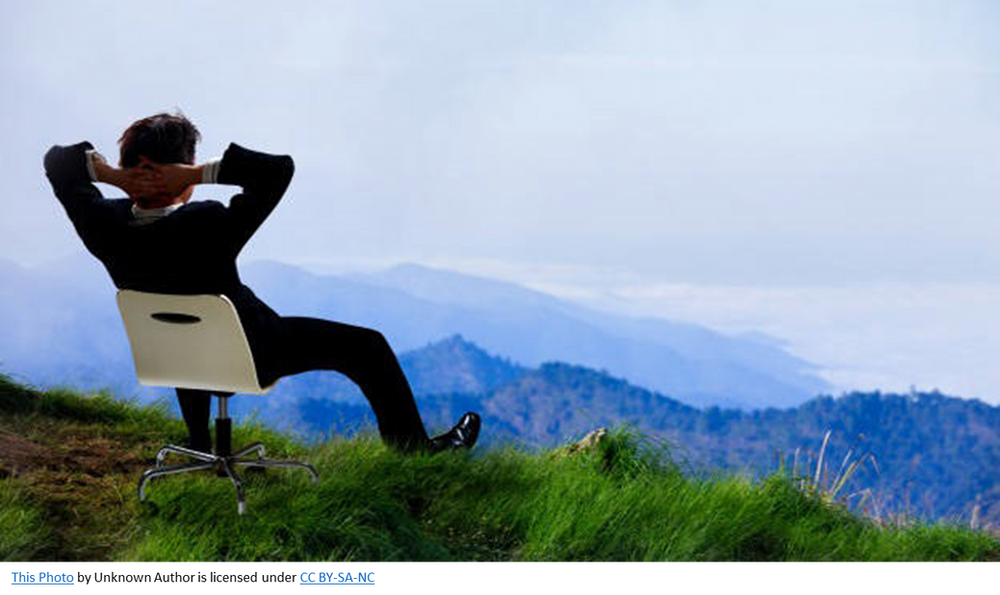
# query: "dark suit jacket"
191, 251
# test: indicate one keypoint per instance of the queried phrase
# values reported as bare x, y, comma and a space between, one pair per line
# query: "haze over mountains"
64, 328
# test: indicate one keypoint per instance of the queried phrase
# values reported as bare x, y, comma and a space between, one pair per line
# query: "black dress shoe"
462, 435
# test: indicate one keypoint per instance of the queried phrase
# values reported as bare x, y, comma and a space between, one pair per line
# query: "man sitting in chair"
157, 241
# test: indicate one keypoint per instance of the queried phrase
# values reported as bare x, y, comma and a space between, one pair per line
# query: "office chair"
197, 342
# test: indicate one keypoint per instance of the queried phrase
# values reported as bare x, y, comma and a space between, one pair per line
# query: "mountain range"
566, 370
64, 328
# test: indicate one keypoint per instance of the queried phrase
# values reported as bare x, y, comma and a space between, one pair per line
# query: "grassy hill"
69, 464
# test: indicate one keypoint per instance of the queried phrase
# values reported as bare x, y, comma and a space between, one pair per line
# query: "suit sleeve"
263, 177
67, 171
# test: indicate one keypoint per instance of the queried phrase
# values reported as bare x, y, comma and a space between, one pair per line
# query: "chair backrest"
188, 341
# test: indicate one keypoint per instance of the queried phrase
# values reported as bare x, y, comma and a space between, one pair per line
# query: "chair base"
224, 464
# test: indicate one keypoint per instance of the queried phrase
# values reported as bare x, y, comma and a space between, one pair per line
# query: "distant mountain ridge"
454, 365
63, 328
697, 365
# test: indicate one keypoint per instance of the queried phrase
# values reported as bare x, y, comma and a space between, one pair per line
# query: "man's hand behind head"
139, 183
162, 183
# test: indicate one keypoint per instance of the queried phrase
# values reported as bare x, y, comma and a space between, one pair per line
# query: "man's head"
163, 138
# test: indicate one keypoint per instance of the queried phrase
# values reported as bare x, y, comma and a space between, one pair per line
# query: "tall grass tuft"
829, 487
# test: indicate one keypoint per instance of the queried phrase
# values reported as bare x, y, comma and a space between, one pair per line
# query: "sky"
827, 172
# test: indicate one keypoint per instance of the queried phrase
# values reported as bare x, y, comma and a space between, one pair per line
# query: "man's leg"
364, 356
196, 406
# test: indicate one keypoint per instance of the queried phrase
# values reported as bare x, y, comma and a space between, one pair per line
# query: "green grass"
23, 531
625, 501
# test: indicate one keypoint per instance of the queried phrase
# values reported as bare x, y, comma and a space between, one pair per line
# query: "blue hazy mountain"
697, 365
64, 328
413, 305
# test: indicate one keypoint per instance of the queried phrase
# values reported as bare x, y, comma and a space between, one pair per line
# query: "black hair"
163, 138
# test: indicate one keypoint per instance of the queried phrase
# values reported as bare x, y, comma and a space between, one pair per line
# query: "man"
156, 240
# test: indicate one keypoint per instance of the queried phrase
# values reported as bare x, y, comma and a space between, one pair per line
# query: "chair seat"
188, 341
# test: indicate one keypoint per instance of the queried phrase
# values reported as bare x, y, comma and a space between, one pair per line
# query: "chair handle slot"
175, 318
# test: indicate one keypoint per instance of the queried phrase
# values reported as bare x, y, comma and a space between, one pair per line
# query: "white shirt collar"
144, 216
